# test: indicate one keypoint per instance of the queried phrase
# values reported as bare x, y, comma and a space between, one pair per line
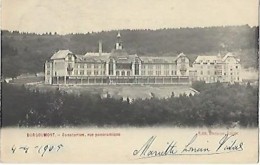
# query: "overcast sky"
70, 16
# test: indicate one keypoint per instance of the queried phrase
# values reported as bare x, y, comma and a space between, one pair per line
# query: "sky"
82, 16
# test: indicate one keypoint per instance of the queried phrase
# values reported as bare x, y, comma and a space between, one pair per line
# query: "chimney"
100, 47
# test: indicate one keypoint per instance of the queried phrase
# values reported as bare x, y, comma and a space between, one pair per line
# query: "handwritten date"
40, 149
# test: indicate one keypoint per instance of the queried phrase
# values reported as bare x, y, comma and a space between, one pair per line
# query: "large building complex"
217, 68
119, 67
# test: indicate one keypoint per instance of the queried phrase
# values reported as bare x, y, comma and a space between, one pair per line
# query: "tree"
128, 100
172, 96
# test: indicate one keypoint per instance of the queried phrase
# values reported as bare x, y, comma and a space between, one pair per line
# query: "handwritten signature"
40, 149
226, 144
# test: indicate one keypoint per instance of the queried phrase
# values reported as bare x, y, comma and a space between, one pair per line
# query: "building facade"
119, 67
217, 68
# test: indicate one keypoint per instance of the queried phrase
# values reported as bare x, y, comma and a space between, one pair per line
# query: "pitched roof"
60, 54
217, 58
181, 55
125, 58
87, 58
96, 54
207, 58
230, 55
120, 52
164, 59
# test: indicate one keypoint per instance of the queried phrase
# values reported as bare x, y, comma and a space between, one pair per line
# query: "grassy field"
121, 91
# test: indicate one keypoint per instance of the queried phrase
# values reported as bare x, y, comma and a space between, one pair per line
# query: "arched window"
123, 73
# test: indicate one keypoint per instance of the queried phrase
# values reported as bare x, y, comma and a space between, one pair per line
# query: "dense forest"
216, 105
26, 52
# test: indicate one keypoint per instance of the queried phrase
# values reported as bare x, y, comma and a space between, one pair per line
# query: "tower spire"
118, 34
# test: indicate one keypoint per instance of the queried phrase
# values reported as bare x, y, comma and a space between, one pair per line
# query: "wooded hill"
217, 105
27, 52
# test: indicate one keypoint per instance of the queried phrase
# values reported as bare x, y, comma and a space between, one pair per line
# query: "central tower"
119, 45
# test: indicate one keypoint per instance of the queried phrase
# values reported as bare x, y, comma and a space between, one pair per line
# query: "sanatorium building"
119, 67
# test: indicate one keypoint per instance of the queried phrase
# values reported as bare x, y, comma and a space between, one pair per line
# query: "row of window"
207, 61
159, 73
216, 67
87, 69
212, 62
231, 67
127, 73
157, 66
143, 66
96, 66
99, 66
82, 72
216, 73
123, 73
232, 73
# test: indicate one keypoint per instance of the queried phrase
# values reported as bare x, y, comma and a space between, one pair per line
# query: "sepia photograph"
133, 81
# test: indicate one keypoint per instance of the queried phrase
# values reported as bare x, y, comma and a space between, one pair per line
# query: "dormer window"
48, 65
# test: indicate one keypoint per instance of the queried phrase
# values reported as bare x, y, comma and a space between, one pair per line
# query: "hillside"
208, 108
27, 52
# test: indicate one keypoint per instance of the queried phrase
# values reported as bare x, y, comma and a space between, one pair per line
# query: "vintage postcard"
132, 81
